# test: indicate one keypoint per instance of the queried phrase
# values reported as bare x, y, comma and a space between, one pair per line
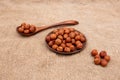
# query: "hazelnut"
27, 26
55, 46
97, 61
60, 49
60, 37
78, 37
103, 62
72, 35
67, 49
26, 31
103, 54
68, 44
71, 29
73, 41
23, 24
76, 32
55, 31
23, 27
58, 41
65, 36
97, 56
20, 30
68, 39
107, 58
63, 45
77, 42
79, 46
48, 38
64, 41
53, 36
67, 31
72, 48
32, 28
61, 32
51, 43
82, 39
94, 52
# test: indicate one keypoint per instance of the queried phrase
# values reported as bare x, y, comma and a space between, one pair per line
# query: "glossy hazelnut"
79, 46
32, 29
77, 42
94, 52
23, 24
65, 36
103, 62
23, 27
68, 39
73, 41
78, 37
72, 48
26, 31
97, 61
21, 30
60, 37
97, 56
55, 31
58, 41
53, 36
48, 38
64, 41
82, 39
71, 29
60, 49
67, 49
61, 32
55, 46
76, 33
67, 31
63, 45
27, 26
68, 44
103, 54
72, 35
51, 43
107, 58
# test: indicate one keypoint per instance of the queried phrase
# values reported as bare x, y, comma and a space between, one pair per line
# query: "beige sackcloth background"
28, 58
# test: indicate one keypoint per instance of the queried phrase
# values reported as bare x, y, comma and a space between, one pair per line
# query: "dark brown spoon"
39, 29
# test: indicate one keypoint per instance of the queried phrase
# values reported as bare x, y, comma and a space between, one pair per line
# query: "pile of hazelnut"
65, 40
26, 28
102, 58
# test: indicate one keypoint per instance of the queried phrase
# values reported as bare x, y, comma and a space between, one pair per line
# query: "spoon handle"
68, 22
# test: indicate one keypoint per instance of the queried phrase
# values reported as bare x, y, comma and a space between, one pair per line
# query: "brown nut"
78, 37
78, 42
72, 35
94, 52
71, 29
55, 31
61, 32
103, 54
27, 26
73, 41
68, 39
103, 62
79, 46
21, 30
58, 41
65, 36
97, 56
97, 61
68, 44
82, 39
32, 28
76, 33
53, 36
51, 43
48, 38
72, 48
64, 41
60, 37
107, 58
23, 24
67, 31
63, 45
60, 49
26, 31
67, 49
55, 46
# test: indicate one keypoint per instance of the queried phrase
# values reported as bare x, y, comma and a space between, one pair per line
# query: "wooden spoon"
39, 29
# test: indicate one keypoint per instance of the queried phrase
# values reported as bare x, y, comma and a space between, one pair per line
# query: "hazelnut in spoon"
29, 30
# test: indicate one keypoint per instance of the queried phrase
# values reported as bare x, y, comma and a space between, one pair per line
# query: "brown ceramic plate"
66, 53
